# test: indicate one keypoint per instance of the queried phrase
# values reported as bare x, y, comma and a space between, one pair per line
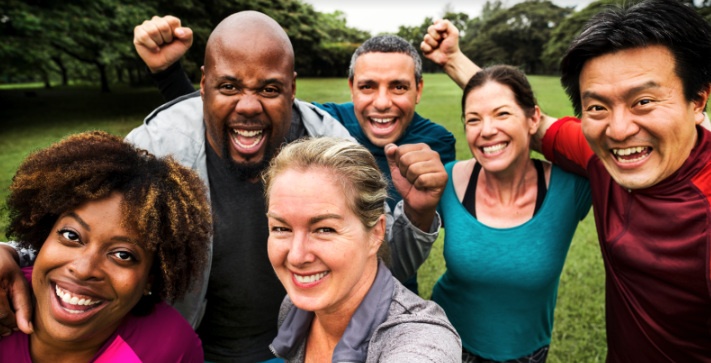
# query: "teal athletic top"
501, 284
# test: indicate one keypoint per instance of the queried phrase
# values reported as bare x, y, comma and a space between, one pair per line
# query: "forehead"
259, 58
308, 191
489, 96
384, 67
619, 71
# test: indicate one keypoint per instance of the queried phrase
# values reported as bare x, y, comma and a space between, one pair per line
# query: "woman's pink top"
162, 336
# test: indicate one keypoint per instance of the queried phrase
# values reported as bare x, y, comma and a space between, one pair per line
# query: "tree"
516, 35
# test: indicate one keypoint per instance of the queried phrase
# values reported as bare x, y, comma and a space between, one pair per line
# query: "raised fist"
441, 42
161, 42
420, 178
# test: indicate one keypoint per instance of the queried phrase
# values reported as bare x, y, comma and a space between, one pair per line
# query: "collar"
353, 346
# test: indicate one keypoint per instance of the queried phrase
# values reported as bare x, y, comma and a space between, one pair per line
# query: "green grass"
28, 123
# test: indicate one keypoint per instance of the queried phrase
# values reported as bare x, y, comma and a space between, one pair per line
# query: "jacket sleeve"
172, 82
432, 343
27, 255
409, 246
564, 145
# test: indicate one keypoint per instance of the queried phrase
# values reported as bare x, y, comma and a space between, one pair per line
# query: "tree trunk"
104, 80
58, 61
130, 76
45, 76
119, 74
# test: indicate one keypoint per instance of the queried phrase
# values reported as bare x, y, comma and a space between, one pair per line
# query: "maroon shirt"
656, 246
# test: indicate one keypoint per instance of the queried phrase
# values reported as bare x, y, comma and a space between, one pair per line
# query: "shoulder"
172, 126
321, 123
284, 309
178, 341
415, 331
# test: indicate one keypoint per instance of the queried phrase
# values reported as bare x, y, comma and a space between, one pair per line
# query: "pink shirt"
162, 336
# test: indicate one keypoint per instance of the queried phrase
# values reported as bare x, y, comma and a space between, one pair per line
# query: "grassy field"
28, 123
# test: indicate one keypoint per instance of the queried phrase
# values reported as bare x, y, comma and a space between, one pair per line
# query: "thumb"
391, 155
185, 34
22, 302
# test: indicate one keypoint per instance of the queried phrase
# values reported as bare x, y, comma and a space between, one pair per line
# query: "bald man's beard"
247, 170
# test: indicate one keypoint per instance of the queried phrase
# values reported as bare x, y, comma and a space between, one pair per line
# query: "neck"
45, 348
508, 185
331, 323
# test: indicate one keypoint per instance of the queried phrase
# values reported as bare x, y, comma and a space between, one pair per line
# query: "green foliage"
516, 35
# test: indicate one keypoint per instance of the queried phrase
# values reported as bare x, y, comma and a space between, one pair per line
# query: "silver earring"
150, 292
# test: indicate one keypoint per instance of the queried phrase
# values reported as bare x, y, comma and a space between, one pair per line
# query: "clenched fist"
441, 42
161, 42
420, 178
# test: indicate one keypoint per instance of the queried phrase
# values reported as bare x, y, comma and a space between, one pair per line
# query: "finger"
8, 322
435, 33
153, 32
426, 49
172, 21
185, 35
22, 301
431, 42
435, 182
141, 38
407, 148
390, 151
419, 169
166, 32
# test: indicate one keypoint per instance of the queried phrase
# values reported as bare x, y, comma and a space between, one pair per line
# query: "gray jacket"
391, 324
177, 128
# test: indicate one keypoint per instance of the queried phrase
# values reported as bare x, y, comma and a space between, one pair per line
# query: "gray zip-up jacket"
177, 128
391, 324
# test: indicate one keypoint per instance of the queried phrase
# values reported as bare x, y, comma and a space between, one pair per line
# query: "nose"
488, 128
382, 100
249, 106
621, 125
87, 266
300, 252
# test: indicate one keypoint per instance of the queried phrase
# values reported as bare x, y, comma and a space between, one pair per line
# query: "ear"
293, 88
700, 105
147, 289
377, 236
534, 122
350, 85
420, 84
202, 83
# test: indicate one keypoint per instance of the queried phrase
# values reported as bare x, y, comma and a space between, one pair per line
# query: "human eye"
595, 108
278, 229
473, 120
228, 88
124, 256
69, 235
325, 230
271, 91
643, 102
365, 87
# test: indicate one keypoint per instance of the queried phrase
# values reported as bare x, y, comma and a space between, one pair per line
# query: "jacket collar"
353, 346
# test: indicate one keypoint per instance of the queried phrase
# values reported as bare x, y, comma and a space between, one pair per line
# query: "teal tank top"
501, 284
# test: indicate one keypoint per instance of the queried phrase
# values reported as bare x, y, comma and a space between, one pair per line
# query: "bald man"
229, 131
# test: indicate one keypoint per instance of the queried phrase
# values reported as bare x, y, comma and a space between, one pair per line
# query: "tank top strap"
469, 200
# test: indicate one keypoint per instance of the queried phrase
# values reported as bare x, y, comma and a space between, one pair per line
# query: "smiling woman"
326, 208
118, 232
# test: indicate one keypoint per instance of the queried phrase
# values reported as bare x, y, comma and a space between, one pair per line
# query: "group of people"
240, 224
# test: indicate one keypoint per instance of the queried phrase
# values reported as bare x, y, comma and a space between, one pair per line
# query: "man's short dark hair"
653, 22
387, 44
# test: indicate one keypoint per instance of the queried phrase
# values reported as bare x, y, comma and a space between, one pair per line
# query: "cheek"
277, 251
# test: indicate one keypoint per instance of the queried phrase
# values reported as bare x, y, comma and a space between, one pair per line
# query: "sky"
378, 16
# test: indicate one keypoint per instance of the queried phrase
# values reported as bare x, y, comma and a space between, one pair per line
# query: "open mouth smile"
247, 141
383, 125
491, 150
70, 307
307, 281
631, 155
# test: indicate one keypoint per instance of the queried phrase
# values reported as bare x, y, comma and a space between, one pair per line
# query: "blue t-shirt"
501, 284
420, 130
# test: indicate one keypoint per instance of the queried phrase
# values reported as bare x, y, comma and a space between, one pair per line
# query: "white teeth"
630, 151
67, 297
247, 133
382, 120
310, 278
256, 140
495, 148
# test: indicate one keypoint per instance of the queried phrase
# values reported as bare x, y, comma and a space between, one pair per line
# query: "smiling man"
640, 79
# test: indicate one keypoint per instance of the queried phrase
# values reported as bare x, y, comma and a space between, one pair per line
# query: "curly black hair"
163, 201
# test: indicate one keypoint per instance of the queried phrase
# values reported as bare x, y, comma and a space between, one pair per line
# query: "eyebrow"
125, 239
262, 82
496, 109
312, 220
79, 220
644, 86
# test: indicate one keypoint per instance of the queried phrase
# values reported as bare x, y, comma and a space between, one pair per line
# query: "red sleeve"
564, 145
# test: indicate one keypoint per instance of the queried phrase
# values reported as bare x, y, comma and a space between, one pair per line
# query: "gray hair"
387, 44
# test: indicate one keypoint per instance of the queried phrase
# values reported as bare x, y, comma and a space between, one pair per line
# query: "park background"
70, 66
